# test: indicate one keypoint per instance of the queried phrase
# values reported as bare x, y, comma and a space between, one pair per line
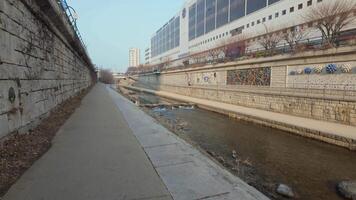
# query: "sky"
111, 27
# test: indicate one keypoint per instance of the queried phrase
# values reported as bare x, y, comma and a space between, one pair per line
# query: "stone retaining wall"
276, 84
41, 62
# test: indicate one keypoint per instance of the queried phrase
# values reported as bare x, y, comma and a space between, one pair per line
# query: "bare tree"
269, 40
213, 54
106, 76
330, 18
294, 35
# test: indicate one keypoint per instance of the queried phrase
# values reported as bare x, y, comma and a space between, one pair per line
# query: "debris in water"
221, 159
234, 154
159, 109
211, 153
187, 107
347, 189
285, 190
247, 162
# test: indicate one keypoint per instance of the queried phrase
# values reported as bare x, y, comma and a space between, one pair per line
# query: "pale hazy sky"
111, 27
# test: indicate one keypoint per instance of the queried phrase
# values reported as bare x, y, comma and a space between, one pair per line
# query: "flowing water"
310, 167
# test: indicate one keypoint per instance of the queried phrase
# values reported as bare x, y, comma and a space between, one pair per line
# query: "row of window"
167, 38
283, 12
259, 21
219, 36
208, 15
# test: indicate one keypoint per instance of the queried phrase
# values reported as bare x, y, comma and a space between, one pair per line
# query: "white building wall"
134, 57
197, 45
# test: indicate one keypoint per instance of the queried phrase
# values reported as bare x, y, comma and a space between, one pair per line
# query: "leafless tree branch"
331, 18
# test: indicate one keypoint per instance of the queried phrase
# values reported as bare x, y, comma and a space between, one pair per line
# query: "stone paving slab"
170, 155
187, 173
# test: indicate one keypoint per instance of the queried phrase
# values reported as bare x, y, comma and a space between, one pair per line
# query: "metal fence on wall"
72, 18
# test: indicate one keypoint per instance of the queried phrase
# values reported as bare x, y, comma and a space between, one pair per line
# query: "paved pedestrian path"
111, 150
94, 156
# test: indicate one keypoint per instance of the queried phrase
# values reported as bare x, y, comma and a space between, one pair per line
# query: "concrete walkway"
94, 156
111, 150
339, 134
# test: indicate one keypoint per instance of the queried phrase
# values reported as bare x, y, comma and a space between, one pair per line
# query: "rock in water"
285, 191
347, 189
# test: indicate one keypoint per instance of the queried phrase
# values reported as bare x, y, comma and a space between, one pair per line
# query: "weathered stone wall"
40, 66
333, 100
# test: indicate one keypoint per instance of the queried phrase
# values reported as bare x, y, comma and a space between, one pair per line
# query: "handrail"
70, 12
311, 43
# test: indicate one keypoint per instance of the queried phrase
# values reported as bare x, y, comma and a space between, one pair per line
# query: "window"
177, 32
254, 5
171, 35
210, 15
291, 9
300, 6
264, 19
200, 25
237, 9
270, 17
237, 31
272, 1
253, 23
222, 17
284, 12
247, 25
319, 1
258, 21
276, 15
192, 21
310, 2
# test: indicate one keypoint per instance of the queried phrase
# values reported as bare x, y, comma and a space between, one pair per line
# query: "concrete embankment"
333, 133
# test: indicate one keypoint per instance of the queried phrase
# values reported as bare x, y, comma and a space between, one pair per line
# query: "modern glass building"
166, 38
204, 24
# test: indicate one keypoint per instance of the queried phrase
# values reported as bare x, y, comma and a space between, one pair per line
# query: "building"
147, 56
134, 57
205, 24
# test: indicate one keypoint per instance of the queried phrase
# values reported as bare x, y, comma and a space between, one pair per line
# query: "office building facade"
205, 24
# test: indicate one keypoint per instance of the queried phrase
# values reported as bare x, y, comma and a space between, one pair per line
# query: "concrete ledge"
333, 133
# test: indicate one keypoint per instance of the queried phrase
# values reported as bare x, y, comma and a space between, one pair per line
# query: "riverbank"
264, 157
337, 134
187, 173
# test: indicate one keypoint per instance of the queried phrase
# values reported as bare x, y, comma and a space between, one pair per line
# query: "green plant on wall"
260, 54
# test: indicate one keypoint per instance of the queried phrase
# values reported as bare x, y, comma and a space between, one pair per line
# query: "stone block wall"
332, 100
39, 65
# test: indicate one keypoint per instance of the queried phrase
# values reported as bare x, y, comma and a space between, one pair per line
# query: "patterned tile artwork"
253, 77
338, 76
